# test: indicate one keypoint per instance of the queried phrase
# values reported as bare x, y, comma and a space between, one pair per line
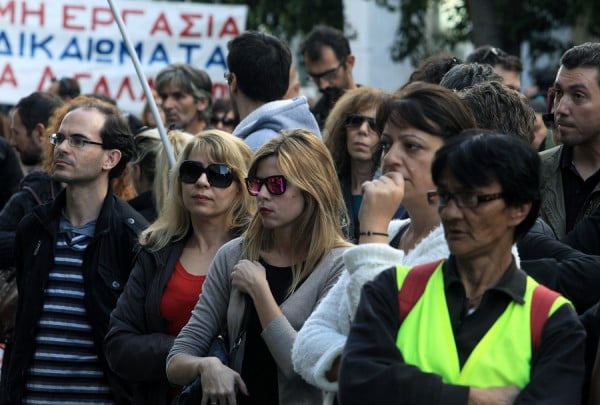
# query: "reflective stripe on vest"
502, 357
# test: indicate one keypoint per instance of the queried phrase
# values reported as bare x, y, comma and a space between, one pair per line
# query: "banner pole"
144, 82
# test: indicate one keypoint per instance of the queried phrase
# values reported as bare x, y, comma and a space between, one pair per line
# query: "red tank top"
180, 298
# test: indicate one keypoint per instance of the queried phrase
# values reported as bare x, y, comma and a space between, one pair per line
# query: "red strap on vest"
541, 302
413, 287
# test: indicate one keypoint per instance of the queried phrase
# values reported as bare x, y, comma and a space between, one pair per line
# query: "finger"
231, 399
396, 177
241, 384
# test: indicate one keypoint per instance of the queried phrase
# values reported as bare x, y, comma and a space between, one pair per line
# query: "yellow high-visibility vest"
502, 357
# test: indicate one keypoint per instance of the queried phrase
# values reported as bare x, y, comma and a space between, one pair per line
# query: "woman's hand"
219, 382
249, 277
381, 199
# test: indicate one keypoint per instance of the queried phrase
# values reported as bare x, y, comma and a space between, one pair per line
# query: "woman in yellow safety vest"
473, 328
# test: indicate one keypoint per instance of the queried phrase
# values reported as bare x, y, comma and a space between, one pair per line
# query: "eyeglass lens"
356, 120
276, 185
218, 174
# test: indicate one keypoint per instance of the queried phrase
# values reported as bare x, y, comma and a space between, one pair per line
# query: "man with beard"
329, 62
258, 78
28, 124
73, 258
571, 172
185, 93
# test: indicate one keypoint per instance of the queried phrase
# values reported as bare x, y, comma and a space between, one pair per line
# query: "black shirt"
373, 369
259, 370
576, 191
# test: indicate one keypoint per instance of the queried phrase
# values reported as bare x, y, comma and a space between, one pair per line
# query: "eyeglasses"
75, 140
218, 174
462, 200
356, 120
228, 76
276, 185
329, 75
223, 120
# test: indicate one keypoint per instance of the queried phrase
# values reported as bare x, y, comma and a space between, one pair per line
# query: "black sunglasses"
276, 185
356, 120
218, 174
222, 120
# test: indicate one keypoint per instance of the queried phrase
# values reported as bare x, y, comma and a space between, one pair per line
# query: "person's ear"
519, 213
112, 158
39, 133
350, 59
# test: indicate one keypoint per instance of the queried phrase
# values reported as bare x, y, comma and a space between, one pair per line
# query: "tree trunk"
485, 23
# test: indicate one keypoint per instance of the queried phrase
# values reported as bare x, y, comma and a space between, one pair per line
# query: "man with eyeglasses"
258, 78
329, 62
73, 258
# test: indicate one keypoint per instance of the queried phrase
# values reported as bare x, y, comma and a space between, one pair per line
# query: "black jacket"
36, 188
137, 343
106, 266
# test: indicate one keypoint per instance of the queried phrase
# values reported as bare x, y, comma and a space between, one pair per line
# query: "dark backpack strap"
413, 287
541, 302
33, 194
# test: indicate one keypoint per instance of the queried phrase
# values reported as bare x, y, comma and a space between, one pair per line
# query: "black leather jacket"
106, 265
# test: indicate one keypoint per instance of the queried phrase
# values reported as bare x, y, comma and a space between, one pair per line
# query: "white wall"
375, 28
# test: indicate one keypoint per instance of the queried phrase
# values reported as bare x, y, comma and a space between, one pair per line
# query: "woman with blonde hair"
178, 140
263, 286
207, 207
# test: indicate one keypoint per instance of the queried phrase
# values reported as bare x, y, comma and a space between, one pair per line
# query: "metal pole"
144, 82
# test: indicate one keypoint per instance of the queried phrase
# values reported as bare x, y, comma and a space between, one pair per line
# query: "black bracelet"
369, 233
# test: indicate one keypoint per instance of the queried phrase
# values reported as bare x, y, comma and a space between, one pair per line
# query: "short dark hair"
192, 80
324, 35
68, 87
584, 55
468, 74
427, 107
115, 132
261, 64
432, 69
495, 56
500, 108
477, 158
37, 108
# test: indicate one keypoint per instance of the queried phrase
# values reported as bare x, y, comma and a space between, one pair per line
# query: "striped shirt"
66, 368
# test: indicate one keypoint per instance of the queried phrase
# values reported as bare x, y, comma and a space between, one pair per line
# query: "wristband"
369, 233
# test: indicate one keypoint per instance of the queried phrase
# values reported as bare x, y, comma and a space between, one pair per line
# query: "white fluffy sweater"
323, 336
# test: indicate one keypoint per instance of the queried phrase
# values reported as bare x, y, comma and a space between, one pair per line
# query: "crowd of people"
438, 244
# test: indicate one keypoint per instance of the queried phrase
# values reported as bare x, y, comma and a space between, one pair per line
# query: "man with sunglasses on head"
258, 78
329, 62
507, 66
73, 258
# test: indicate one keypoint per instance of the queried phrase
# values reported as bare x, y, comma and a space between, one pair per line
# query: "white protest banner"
45, 39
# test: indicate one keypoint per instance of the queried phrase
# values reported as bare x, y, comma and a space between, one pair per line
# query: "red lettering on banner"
161, 24
102, 87
189, 19
68, 16
8, 76
220, 90
125, 86
229, 28
10, 9
98, 13
27, 12
125, 13
81, 76
47, 76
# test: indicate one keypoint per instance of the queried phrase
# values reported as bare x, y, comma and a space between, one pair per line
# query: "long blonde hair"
173, 222
305, 162
178, 140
